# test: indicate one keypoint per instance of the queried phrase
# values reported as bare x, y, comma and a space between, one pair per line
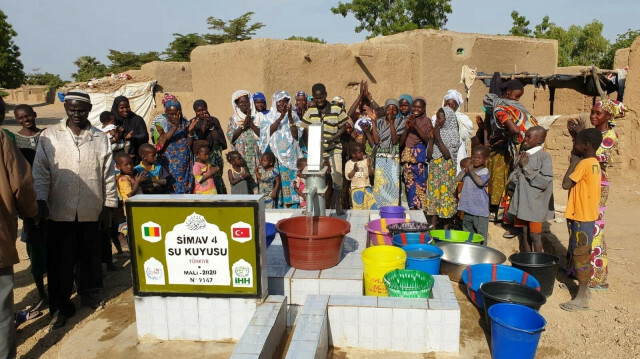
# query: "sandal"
600, 288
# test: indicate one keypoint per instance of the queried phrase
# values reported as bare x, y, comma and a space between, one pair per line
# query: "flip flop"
599, 288
570, 307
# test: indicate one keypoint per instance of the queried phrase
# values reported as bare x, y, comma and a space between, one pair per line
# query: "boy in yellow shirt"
583, 182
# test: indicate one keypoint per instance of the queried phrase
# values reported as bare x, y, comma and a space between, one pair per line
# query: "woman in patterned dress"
243, 133
603, 117
175, 154
414, 156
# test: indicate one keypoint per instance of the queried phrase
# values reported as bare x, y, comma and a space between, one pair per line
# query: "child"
583, 182
35, 236
268, 179
474, 199
239, 175
299, 184
357, 170
156, 176
128, 182
113, 132
203, 172
532, 201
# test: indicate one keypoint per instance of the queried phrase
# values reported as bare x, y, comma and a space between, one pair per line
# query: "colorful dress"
415, 166
206, 187
599, 260
441, 183
247, 145
216, 145
285, 148
177, 159
386, 183
361, 193
266, 185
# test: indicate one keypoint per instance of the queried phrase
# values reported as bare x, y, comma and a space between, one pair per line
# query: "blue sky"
52, 34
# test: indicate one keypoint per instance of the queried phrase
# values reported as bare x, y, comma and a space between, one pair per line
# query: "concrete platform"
343, 279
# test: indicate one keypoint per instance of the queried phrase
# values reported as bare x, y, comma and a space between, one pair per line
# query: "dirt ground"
611, 329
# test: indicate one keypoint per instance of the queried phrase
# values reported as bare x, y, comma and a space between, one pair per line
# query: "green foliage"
123, 61
622, 42
386, 17
48, 79
237, 29
180, 48
577, 45
520, 25
11, 68
88, 68
308, 39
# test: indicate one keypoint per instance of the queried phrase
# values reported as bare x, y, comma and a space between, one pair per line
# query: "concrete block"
353, 301
341, 273
340, 287
300, 288
409, 303
292, 314
306, 274
383, 332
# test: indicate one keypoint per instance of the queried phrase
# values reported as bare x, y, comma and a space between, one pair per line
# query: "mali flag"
152, 231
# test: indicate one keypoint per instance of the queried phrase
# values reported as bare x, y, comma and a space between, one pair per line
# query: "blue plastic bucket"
423, 257
403, 239
515, 329
475, 275
391, 212
270, 231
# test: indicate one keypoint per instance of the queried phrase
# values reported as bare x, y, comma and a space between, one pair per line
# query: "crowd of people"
376, 156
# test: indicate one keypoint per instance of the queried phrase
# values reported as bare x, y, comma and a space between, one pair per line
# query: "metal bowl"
457, 256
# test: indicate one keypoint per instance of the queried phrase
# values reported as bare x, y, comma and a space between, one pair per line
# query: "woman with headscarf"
442, 152
509, 120
159, 124
301, 105
175, 154
453, 99
415, 166
279, 133
386, 133
603, 117
210, 131
243, 132
135, 129
260, 103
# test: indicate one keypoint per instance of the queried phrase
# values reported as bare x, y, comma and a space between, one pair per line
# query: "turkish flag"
242, 232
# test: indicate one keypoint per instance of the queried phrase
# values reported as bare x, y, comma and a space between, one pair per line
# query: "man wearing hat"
74, 178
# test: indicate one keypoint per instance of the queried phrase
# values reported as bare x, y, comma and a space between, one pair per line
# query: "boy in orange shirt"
583, 182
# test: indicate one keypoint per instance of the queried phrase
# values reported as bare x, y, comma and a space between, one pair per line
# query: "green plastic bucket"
408, 283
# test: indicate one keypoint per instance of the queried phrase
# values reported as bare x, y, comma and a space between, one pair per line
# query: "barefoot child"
532, 201
203, 172
357, 170
156, 178
583, 182
239, 175
268, 180
474, 199
299, 184
27, 141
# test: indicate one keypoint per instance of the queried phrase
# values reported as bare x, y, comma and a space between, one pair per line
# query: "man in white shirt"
74, 176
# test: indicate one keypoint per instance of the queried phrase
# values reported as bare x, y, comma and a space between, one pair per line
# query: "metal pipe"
313, 192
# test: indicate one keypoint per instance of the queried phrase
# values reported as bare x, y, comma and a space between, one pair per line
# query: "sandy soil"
611, 329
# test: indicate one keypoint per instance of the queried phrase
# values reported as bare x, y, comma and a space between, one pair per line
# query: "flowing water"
309, 223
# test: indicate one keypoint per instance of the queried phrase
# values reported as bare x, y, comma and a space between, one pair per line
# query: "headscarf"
199, 103
406, 97
337, 100
239, 116
454, 95
465, 126
392, 101
614, 108
260, 96
173, 103
301, 93
287, 151
449, 134
167, 96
